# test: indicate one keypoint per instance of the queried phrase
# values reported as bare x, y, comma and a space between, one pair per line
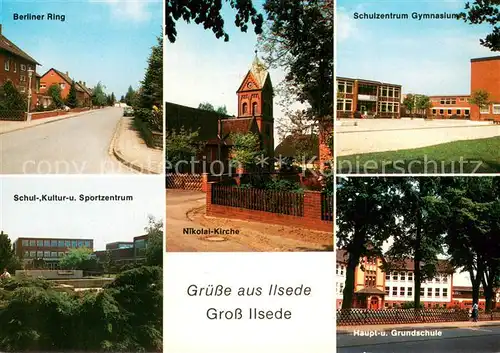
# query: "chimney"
67, 73
84, 84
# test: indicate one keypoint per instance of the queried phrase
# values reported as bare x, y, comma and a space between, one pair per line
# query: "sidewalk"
129, 148
10, 126
346, 330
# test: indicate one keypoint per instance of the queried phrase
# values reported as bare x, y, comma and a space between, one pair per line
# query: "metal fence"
352, 317
326, 207
12, 115
288, 203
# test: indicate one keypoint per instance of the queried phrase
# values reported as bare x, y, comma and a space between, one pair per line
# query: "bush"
411, 305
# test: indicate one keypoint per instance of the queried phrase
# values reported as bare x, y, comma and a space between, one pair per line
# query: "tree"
113, 98
480, 98
11, 98
54, 92
8, 258
245, 150
108, 264
208, 14
423, 103
180, 145
151, 93
129, 96
365, 220
298, 38
154, 250
75, 258
485, 11
98, 95
420, 229
409, 103
71, 100
122, 98
222, 110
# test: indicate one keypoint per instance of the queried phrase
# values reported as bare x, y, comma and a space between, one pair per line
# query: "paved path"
471, 339
186, 209
380, 135
131, 150
79, 145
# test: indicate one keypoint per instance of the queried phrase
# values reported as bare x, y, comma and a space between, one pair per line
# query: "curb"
63, 117
113, 150
409, 328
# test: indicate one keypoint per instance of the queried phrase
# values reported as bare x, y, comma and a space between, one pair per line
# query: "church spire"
258, 69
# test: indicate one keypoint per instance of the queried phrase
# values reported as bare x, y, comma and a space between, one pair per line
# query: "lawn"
467, 156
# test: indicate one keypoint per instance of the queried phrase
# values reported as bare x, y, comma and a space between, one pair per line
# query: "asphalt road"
459, 340
77, 145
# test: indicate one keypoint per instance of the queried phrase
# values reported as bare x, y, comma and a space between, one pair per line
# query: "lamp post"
30, 74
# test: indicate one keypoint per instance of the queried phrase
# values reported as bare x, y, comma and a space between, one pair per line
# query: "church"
255, 115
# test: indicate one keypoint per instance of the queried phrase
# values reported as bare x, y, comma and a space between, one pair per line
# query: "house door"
374, 303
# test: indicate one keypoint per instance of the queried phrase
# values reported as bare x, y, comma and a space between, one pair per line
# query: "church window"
254, 108
245, 108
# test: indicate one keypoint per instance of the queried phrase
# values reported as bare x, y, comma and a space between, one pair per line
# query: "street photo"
249, 134
418, 87
81, 87
417, 266
85, 272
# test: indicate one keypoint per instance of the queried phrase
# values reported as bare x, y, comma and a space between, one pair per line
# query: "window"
394, 291
445, 292
32, 243
436, 292
337, 269
429, 292
341, 270
344, 87
39, 243
484, 110
396, 92
254, 108
453, 101
449, 111
62, 85
244, 108
386, 290
409, 291
403, 276
421, 291
445, 279
73, 243
53, 254
80, 243
46, 243
26, 254
496, 108
466, 111
46, 254
437, 279
341, 287
42, 85
61, 254
22, 89
33, 254
39, 254
67, 243
434, 111
442, 101
344, 105
395, 276
7, 65
387, 276
402, 291
459, 112
460, 99
60, 243
15, 67
23, 67
53, 243
441, 111
410, 276
26, 242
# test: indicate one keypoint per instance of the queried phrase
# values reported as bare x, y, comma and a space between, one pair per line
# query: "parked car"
66, 108
128, 111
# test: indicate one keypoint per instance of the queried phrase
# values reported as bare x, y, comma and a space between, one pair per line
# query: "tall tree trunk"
353, 261
488, 281
476, 283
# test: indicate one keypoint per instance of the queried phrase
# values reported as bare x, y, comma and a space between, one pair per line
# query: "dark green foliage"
154, 250
71, 100
7, 257
488, 12
151, 92
54, 92
129, 97
126, 316
208, 14
11, 98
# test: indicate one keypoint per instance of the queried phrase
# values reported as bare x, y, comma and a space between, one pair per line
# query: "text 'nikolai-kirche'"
39, 17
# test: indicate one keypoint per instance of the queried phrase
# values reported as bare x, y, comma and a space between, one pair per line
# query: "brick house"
53, 76
16, 67
485, 75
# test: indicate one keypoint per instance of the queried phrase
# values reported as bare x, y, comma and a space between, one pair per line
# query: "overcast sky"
105, 222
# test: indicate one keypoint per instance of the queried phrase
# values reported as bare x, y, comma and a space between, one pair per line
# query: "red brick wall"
325, 154
52, 113
311, 219
462, 105
485, 75
15, 77
51, 77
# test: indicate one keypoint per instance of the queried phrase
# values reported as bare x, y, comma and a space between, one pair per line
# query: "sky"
429, 57
105, 222
201, 68
100, 40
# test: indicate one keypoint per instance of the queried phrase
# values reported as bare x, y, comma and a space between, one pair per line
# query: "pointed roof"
259, 71
7, 45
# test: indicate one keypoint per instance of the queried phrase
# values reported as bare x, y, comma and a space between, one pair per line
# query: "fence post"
204, 181
209, 198
312, 205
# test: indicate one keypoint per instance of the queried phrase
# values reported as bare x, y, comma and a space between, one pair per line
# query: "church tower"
255, 100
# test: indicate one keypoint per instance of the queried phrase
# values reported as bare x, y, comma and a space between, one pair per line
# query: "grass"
467, 156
